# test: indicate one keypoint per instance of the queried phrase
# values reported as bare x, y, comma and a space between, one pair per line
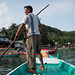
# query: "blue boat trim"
11, 55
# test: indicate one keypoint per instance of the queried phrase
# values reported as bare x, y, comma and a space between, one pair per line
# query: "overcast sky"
60, 13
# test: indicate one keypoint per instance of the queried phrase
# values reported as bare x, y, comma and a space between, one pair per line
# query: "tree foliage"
47, 34
44, 34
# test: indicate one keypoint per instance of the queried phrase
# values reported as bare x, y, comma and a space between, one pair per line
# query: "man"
34, 41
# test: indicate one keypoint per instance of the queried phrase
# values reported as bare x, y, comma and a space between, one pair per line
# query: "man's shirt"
32, 23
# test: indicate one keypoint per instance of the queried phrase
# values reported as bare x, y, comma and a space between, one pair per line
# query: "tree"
44, 34
3, 30
13, 30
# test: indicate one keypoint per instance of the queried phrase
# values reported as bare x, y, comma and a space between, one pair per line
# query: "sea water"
8, 64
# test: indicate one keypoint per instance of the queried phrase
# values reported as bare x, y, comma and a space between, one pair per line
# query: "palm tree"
3, 31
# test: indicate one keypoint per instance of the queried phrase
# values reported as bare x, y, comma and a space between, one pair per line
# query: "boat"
3, 49
67, 49
22, 52
52, 51
49, 51
42, 51
11, 55
52, 65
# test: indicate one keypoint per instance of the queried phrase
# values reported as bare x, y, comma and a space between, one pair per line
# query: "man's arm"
19, 30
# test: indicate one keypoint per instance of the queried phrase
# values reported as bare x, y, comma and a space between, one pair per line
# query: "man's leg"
27, 51
31, 55
38, 49
41, 60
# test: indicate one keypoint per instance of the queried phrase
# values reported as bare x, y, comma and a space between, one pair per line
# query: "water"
8, 64
68, 56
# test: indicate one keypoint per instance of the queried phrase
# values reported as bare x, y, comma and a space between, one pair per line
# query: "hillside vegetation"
47, 34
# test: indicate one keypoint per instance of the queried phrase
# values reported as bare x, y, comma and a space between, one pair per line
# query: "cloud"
5, 19
3, 9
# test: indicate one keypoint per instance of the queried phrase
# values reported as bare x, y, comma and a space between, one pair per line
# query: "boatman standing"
34, 40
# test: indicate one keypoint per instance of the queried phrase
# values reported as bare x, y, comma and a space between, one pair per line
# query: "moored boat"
11, 55
42, 51
49, 51
22, 52
3, 49
66, 48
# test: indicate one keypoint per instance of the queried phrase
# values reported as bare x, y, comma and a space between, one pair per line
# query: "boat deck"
50, 69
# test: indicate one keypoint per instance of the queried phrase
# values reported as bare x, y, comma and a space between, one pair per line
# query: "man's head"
28, 9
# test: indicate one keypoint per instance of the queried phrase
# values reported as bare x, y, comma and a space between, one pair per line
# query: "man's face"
27, 11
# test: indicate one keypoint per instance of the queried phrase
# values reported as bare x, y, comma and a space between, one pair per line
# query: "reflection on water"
8, 64
68, 56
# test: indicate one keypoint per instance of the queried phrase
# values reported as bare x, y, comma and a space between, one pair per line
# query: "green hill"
47, 34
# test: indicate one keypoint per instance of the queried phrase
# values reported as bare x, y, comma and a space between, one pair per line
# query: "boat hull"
22, 52
10, 55
53, 66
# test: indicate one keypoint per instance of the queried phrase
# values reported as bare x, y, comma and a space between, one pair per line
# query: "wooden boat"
11, 55
22, 52
6, 48
42, 52
52, 65
66, 49
49, 51
52, 51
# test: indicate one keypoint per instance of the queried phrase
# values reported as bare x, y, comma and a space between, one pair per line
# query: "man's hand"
16, 36
19, 31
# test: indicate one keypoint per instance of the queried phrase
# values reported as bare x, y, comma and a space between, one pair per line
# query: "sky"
60, 14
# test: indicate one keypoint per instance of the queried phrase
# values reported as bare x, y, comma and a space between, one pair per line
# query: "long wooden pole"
42, 10
19, 34
7, 48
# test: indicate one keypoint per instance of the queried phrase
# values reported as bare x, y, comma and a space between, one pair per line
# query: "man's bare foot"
42, 68
31, 71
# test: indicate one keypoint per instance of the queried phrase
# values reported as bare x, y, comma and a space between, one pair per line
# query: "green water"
8, 64
68, 56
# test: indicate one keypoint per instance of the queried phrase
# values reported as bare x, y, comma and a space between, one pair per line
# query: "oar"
42, 9
19, 34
